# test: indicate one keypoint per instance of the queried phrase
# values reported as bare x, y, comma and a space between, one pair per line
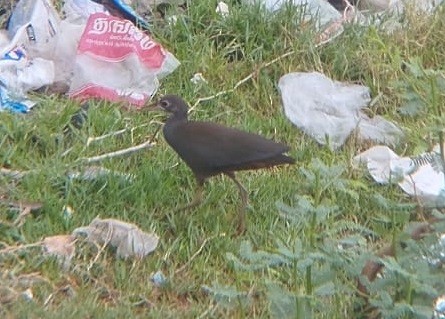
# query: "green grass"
202, 42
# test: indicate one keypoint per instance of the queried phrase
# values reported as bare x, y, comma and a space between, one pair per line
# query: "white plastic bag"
419, 177
330, 110
25, 57
319, 10
41, 25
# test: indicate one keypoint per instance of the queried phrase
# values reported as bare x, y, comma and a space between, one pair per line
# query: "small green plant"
309, 269
313, 267
411, 279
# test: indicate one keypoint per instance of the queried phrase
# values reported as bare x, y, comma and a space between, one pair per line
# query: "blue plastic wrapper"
439, 308
130, 14
158, 279
16, 105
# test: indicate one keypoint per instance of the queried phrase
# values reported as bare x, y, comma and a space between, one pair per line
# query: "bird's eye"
164, 104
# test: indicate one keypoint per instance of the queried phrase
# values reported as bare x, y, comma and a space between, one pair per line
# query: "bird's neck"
177, 118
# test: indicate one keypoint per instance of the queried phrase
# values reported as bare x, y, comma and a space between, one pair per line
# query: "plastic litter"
318, 10
421, 176
15, 104
158, 279
398, 5
24, 52
78, 11
329, 111
222, 8
91, 173
198, 78
129, 13
118, 62
439, 308
129, 240
37, 23
27, 295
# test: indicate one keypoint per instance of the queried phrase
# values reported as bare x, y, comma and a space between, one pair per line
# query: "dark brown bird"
211, 149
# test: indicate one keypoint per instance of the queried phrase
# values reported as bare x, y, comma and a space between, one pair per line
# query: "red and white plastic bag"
118, 62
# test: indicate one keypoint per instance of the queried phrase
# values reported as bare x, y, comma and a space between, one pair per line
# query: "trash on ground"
60, 246
421, 176
67, 212
16, 104
398, 6
327, 19
127, 238
118, 62
329, 111
27, 295
90, 53
138, 17
36, 22
320, 9
158, 279
90, 173
25, 59
439, 308
198, 78
329, 16
222, 8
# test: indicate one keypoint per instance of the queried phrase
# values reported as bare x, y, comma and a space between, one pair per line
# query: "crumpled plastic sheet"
118, 62
129, 240
399, 5
24, 62
48, 48
320, 10
329, 111
418, 178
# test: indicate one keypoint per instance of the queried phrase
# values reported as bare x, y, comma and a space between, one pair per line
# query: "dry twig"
183, 267
98, 158
242, 81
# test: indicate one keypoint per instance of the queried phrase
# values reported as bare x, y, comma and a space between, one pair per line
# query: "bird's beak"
154, 106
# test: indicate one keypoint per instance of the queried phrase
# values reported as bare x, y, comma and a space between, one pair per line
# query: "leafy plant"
309, 262
312, 269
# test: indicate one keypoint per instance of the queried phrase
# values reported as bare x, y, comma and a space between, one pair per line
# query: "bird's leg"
197, 198
242, 209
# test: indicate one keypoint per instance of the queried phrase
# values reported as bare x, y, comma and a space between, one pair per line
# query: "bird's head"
171, 104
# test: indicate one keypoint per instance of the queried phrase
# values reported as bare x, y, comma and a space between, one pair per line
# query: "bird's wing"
203, 144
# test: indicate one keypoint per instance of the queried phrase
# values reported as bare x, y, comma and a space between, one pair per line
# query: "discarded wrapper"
439, 308
329, 111
25, 62
90, 173
118, 62
421, 177
97, 55
129, 240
